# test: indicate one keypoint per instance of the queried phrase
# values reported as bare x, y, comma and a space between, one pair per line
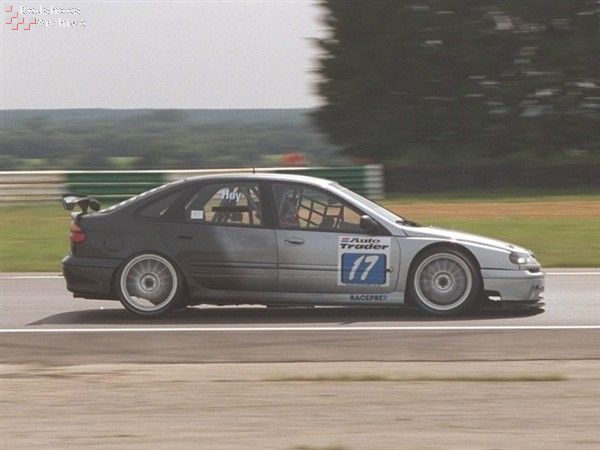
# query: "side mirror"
369, 225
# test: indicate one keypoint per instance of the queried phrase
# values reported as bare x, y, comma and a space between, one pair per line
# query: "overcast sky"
159, 54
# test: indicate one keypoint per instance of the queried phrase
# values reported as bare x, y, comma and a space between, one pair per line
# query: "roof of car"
263, 176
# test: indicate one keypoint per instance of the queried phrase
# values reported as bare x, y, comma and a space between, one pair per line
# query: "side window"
158, 208
235, 204
311, 209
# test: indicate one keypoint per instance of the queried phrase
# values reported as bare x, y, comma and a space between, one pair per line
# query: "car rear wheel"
149, 285
444, 282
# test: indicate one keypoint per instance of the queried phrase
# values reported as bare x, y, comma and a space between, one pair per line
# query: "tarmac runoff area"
303, 406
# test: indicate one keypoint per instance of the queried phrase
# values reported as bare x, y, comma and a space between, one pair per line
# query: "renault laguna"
283, 240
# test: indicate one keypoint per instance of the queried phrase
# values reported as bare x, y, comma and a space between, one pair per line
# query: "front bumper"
90, 277
513, 285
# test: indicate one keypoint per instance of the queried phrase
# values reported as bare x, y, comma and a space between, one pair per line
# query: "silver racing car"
283, 240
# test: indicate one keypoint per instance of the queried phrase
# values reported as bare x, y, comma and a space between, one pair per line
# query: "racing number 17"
370, 260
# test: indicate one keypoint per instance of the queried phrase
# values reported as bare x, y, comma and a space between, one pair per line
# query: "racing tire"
149, 285
444, 282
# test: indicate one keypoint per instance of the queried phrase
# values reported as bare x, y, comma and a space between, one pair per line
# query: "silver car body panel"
501, 278
513, 285
313, 261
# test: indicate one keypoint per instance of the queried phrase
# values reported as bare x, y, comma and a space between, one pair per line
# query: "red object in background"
294, 159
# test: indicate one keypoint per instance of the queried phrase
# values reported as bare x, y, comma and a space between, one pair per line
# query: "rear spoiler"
84, 202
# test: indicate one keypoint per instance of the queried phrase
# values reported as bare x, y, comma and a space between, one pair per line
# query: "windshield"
386, 213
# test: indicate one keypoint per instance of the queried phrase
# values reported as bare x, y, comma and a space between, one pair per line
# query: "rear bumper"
89, 277
514, 285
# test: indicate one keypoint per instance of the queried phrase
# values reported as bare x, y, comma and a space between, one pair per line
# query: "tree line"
160, 139
473, 81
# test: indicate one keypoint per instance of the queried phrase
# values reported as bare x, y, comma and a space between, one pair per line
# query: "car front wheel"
444, 282
149, 285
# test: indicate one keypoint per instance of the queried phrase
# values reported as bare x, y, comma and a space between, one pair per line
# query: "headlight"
522, 259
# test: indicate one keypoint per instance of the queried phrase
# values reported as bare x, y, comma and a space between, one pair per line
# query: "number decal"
360, 268
355, 266
371, 260
363, 260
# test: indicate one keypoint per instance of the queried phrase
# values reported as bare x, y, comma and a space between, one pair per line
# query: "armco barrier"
112, 185
31, 186
43, 186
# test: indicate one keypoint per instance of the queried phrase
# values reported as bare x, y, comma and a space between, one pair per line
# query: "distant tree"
8, 162
158, 139
431, 80
91, 160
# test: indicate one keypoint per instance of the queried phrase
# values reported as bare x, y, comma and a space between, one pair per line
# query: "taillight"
77, 234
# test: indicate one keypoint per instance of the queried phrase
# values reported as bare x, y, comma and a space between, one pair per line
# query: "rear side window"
159, 208
236, 204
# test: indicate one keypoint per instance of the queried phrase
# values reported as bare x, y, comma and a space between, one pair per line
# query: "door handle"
185, 236
294, 241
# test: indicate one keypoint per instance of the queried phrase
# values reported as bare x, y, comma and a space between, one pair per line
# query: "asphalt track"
41, 323
87, 374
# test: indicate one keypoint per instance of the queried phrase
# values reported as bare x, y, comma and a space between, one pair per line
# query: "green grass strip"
34, 238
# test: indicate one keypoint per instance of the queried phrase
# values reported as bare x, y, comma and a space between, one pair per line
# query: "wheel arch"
179, 299
115, 276
434, 247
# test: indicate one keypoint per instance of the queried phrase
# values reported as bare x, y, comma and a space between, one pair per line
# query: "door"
322, 248
223, 244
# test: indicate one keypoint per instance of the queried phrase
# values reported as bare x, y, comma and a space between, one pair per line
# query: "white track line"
296, 329
32, 277
573, 273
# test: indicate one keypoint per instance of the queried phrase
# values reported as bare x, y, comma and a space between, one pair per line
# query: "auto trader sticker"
363, 261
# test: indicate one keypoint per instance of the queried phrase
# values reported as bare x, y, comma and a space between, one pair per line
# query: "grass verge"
555, 242
34, 238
